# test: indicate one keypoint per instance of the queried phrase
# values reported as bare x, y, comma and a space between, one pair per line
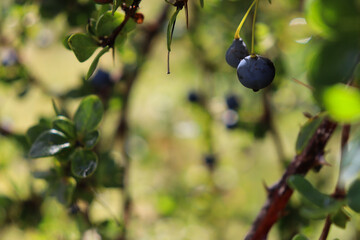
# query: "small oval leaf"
307, 191
83, 163
91, 139
82, 45
107, 23
88, 115
307, 132
65, 125
49, 143
96, 61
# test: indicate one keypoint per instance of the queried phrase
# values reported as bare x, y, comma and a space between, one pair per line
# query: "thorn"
267, 189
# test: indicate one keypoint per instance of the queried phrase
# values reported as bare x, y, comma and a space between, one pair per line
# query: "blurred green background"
176, 195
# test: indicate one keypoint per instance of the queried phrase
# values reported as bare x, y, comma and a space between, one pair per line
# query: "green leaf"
202, 3
353, 196
63, 189
333, 62
96, 61
57, 112
83, 163
88, 115
49, 143
314, 212
91, 26
120, 41
116, 4
91, 139
333, 17
350, 165
34, 132
343, 103
340, 218
82, 45
170, 29
107, 23
66, 42
307, 132
307, 191
65, 125
299, 237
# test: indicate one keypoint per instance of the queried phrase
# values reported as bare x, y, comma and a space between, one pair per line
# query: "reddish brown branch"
280, 193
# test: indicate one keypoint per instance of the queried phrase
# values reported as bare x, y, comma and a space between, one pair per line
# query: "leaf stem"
237, 33
253, 29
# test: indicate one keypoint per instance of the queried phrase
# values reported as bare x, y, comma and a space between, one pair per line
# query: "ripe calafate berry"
101, 79
236, 52
193, 96
232, 102
256, 72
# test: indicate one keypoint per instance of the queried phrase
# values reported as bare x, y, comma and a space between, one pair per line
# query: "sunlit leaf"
307, 132
83, 163
88, 115
82, 45
353, 196
342, 103
49, 143
108, 22
307, 191
96, 61
116, 4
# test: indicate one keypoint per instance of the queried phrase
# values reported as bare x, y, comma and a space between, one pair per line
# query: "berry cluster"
253, 71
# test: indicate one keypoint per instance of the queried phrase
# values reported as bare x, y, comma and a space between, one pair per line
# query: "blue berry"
256, 72
101, 79
210, 161
232, 102
193, 96
236, 52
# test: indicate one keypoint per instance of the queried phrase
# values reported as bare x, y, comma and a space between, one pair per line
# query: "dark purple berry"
256, 72
210, 161
236, 52
193, 96
101, 79
232, 102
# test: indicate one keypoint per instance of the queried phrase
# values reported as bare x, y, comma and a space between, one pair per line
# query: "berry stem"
237, 33
253, 30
